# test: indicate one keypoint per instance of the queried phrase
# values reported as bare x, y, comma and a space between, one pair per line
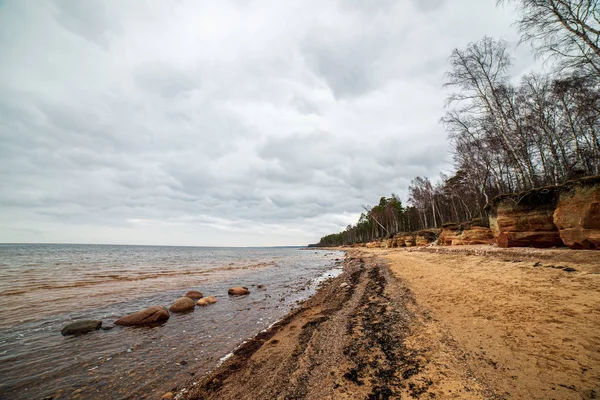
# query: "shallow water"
43, 287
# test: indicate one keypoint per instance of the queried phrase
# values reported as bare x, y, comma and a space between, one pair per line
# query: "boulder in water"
194, 295
79, 327
182, 304
238, 291
151, 315
206, 301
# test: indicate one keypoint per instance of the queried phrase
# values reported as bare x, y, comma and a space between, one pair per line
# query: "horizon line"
151, 245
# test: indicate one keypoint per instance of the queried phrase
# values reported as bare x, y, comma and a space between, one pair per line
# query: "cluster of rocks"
155, 314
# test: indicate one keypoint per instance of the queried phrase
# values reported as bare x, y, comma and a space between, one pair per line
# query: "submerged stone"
79, 327
182, 304
194, 295
151, 315
238, 291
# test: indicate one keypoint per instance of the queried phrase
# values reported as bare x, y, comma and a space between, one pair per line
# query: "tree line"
507, 137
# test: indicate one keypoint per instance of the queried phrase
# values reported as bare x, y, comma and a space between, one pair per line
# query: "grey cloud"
347, 67
371, 6
250, 133
164, 79
88, 19
428, 5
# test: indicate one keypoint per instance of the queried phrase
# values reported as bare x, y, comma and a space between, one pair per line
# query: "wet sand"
456, 324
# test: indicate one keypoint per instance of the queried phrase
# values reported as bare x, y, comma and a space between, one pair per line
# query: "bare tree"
566, 29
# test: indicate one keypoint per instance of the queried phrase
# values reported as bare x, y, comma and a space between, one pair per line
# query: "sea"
46, 286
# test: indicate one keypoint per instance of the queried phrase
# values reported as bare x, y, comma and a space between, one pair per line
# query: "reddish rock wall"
525, 220
386, 243
464, 234
426, 237
374, 244
577, 215
449, 233
552, 216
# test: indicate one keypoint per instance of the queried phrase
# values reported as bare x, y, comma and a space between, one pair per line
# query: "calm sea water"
43, 287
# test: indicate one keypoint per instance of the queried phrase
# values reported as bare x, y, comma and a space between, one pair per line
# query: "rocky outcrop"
182, 304
79, 327
194, 295
450, 232
473, 232
373, 244
238, 291
525, 220
549, 216
151, 315
404, 239
426, 237
577, 214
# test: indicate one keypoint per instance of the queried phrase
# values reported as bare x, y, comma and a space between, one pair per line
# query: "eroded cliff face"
577, 215
465, 233
404, 239
426, 237
568, 214
525, 220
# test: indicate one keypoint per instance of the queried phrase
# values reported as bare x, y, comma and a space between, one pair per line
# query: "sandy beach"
470, 322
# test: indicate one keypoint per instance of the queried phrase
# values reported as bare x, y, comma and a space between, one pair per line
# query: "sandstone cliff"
548, 217
577, 214
474, 232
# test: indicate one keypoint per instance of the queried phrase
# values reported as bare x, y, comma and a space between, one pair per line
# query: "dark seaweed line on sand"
309, 328
378, 350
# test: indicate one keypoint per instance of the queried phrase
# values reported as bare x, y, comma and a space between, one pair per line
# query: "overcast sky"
234, 123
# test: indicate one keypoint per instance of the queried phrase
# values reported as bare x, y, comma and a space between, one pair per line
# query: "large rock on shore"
577, 215
151, 315
194, 295
182, 304
525, 219
79, 327
238, 291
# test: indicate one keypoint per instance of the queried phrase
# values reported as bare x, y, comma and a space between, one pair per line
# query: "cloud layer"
221, 123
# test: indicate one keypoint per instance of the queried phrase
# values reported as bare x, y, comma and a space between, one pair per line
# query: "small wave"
99, 279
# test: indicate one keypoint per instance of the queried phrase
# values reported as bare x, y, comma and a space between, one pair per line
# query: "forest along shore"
425, 323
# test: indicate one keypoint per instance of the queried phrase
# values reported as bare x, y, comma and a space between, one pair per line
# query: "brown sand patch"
527, 322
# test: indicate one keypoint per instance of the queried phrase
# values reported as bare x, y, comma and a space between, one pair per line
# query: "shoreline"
363, 340
383, 329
